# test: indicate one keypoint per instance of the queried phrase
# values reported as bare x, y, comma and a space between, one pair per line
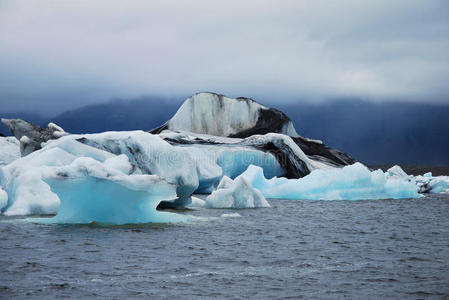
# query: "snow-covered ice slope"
236, 194
93, 192
354, 182
9, 150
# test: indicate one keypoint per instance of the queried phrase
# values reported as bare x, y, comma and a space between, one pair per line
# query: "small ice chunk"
236, 194
55, 127
233, 215
439, 184
197, 202
428, 174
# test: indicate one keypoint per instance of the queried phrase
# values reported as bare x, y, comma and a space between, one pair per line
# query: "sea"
380, 249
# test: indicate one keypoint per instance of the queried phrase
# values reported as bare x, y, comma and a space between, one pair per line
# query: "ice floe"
236, 194
354, 182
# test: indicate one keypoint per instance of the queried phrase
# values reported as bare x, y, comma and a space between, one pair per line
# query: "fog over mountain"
60, 55
387, 62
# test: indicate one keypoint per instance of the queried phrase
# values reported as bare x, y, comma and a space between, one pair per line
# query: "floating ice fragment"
233, 215
236, 194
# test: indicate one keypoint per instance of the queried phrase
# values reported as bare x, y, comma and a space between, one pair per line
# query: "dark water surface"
308, 249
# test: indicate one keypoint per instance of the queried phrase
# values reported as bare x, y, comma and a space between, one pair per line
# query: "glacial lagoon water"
295, 249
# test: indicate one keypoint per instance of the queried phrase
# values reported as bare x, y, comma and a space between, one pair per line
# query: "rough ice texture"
191, 169
93, 192
215, 114
426, 183
355, 182
32, 136
236, 194
9, 150
289, 155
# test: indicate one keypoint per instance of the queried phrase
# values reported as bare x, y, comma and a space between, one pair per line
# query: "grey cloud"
70, 53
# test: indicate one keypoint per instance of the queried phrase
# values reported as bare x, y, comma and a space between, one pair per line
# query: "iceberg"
426, 183
23, 178
213, 114
354, 182
190, 168
93, 192
236, 194
251, 152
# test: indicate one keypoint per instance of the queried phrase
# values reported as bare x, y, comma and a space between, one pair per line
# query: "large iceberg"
236, 194
191, 169
93, 192
218, 115
354, 182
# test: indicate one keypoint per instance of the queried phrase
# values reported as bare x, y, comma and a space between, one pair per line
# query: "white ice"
354, 182
190, 168
236, 194
426, 183
9, 150
205, 113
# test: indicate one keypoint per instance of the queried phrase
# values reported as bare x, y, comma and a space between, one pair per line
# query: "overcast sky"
61, 54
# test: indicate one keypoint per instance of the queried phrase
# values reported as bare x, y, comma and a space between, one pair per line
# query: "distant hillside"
399, 133
144, 114
402, 133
